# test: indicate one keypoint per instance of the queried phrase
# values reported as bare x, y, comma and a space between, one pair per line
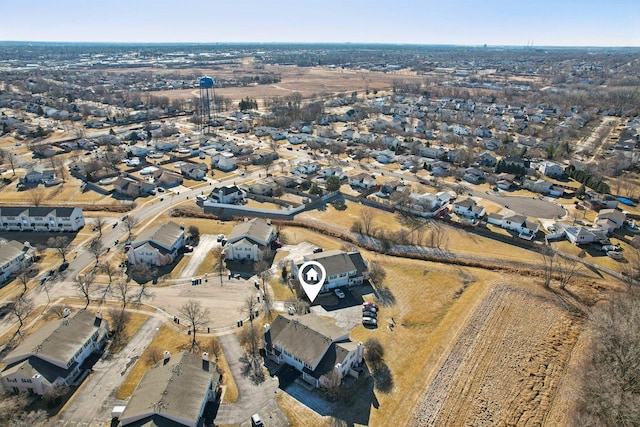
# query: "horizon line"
527, 46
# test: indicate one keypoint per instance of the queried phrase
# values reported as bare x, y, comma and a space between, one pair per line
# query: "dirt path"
505, 366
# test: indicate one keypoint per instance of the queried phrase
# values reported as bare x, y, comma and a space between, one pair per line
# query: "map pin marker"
312, 275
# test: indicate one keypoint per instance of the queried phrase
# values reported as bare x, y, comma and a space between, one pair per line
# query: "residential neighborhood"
310, 235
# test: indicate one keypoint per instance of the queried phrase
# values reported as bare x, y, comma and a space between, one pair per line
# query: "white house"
543, 187
313, 346
158, 245
13, 257
224, 162
41, 218
333, 171
195, 171
249, 239
230, 195
175, 392
52, 355
305, 168
342, 268
551, 169
469, 208
362, 180
579, 235
526, 229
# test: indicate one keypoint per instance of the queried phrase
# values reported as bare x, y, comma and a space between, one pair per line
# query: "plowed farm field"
505, 365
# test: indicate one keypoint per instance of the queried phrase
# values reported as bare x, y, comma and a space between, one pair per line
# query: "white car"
369, 321
614, 255
339, 293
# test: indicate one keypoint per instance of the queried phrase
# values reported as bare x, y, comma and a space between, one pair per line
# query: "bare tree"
58, 310
119, 319
60, 244
249, 307
154, 355
122, 292
96, 248
111, 271
373, 351
331, 382
11, 159
250, 340
566, 271
37, 195
130, 222
367, 215
196, 316
214, 347
84, 286
21, 307
377, 273
437, 236
23, 277
99, 223
548, 266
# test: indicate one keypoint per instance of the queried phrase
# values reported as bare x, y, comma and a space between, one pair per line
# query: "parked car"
369, 313
160, 190
369, 321
614, 255
367, 304
256, 421
220, 237
317, 250
610, 248
339, 293
63, 266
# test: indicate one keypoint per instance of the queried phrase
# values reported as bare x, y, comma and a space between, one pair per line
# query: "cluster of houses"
31, 218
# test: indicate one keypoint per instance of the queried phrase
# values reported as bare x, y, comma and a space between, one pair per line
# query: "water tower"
207, 96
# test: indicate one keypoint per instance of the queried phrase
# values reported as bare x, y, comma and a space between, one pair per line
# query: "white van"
256, 421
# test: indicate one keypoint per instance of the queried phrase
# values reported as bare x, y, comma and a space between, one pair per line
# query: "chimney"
360, 353
266, 327
99, 315
167, 356
66, 312
205, 356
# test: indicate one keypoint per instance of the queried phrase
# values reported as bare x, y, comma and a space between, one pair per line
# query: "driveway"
93, 401
206, 243
252, 398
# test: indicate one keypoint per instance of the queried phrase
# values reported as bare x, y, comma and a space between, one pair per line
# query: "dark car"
317, 250
63, 266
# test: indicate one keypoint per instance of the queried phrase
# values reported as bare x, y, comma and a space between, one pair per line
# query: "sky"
456, 22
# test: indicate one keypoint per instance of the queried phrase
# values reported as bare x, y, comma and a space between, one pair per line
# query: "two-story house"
249, 239
469, 208
174, 392
52, 355
313, 346
158, 245
41, 218
342, 268
13, 257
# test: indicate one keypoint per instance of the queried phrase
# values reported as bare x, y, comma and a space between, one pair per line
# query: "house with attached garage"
230, 195
132, 187
249, 240
40, 218
518, 223
13, 257
362, 181
158, 245
615, 216
543, 187
342, 268
469, 208
195, 171
174, 393
53, 355
313, 346
551, 169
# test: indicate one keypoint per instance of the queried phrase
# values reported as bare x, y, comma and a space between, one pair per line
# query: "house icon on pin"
311, 275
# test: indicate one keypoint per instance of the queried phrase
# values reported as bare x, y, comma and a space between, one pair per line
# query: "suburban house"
158, 245
551, 169
41, 218
13, 257
543, 187
167, 178
469, 208
52, 355
195, 171
131, 187
248, 240
229, 195
37, 176
333, 171
175, 392
342, 268
519, 223
362, 180
486, 159
615, 216
305, 168
596, 201
313, 346
473, 175
224, 162
579, 235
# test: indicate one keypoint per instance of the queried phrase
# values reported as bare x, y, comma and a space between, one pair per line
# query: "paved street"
92, 403
251, 398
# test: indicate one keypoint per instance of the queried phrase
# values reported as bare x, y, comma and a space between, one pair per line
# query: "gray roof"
34, 365
10, 250
307, 337
165, 236
519, 219
256, 230
58, 341
32, 211
177, 388
466, 203
337, 261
